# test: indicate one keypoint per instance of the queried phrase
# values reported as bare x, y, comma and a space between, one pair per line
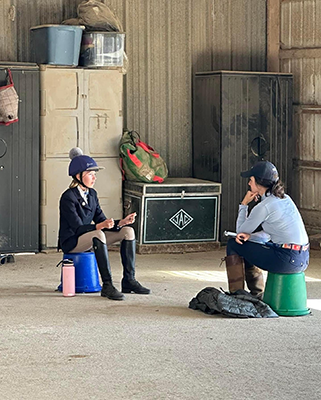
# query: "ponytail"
73, 184
275, 188
75, 181
278, 189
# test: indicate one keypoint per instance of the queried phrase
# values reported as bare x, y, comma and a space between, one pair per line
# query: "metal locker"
19, 165
81, 108
240, 118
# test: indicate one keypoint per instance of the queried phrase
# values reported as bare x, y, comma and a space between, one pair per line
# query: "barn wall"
166, 42
300, 54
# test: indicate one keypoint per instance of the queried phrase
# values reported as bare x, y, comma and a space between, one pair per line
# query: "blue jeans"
270, 257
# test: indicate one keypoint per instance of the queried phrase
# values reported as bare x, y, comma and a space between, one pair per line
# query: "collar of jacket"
81, 199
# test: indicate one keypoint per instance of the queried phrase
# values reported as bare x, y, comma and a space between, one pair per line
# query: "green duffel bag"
139, 161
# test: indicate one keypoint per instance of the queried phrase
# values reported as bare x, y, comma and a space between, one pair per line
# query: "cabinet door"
103, 124
276, 123
61, 111
102, 112
6, 182
54, 181
19, 168
206, 128
61, 129
109, 187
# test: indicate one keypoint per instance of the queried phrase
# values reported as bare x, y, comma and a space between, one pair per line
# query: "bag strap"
9, 77
135, 138
9, 80
121, 168
148, 149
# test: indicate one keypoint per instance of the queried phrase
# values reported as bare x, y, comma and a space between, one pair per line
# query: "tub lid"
57, 25
104, 32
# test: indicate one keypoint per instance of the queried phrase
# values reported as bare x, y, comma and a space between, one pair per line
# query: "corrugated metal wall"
166, 42
8, 43
300, 54
182, 37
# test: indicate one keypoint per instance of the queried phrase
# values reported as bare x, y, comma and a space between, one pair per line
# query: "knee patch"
100, 235
128, 233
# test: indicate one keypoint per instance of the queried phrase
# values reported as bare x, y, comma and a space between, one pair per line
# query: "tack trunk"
181, 214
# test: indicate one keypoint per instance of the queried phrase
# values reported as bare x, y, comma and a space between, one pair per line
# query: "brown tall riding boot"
254, 280
235, 272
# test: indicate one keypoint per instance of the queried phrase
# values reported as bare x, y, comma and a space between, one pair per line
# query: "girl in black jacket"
79, 208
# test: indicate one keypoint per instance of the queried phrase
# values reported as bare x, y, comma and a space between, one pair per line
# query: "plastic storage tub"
102, 49
55, 44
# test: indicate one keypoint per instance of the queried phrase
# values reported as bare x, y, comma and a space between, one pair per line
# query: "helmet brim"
95, 168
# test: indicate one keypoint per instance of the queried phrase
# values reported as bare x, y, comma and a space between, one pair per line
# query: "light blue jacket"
280, 220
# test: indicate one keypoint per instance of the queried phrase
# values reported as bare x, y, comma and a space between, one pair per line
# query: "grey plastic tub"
55, 44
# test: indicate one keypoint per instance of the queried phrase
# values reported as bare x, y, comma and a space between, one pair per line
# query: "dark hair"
275, 188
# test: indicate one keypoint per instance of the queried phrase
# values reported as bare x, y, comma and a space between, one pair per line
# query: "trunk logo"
181, 219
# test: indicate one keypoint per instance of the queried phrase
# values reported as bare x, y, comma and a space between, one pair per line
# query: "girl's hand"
129, 219
242, 237
250, 196
108, 223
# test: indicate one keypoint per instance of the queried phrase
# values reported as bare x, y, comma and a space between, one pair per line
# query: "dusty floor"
150, 347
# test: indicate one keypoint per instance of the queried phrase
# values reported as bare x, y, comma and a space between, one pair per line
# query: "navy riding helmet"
80, 162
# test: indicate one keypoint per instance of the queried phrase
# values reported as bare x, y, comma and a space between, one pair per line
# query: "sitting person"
282, 245
79, 207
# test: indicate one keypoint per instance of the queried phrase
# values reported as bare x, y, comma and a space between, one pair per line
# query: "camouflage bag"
139, 161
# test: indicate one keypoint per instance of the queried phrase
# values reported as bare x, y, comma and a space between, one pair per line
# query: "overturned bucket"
286, 294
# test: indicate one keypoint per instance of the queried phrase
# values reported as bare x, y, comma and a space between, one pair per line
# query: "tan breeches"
85, 241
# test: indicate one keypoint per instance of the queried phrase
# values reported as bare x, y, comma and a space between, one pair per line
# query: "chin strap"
80, 181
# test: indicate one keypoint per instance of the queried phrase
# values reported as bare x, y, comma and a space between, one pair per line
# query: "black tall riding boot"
128, 256
101, 254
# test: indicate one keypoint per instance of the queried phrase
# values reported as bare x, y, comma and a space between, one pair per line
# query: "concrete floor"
150, 347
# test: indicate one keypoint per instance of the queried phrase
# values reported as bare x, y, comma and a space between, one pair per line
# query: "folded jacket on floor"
240, 304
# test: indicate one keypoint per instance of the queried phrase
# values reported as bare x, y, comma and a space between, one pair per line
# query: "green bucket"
286, 294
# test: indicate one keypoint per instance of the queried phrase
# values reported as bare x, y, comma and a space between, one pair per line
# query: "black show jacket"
76, 217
